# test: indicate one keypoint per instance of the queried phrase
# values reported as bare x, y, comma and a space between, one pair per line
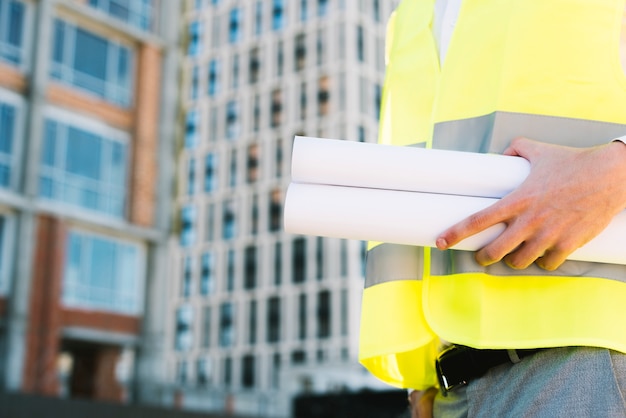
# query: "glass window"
80, 167
376, 10
361, 133
319, 258
323, 314
214, 73
232, 119
247, 371
276, 108
203, 372
138, 13
377, 100
322, 7
273, 319
278, 155
300, 52
360, 44
210, 222
6, 232
258, 18
280, 58
303, 11
207, 273
256, 113
231, 265
191, 177
191, 129
181, 372
102, 273
302, 316
185, 288
278, 263
210, 172
100, 66
276, 210
303, 101
227, 325
183, 339
188, 226
195, 82
255, 65
250, 270
195, 39
235, 72
229, 220
323, 96
228, 371
252, 163
12, 24
252, 322
234, 26
206, 327
8, 125
298, 260
232, 170
254, 215
344, 312
278, 18
320, 47
343, 262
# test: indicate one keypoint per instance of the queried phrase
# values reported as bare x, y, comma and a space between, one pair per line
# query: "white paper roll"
357, 164
412, 218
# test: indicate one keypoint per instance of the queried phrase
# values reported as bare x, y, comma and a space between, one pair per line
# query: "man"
547, 335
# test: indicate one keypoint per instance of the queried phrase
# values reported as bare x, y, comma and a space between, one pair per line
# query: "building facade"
255, 315
87, 113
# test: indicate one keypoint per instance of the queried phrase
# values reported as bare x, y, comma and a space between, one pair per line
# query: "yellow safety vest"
545, 69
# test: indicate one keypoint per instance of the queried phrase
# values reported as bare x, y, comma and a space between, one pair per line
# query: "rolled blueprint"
413, 218
358, 164
407, 195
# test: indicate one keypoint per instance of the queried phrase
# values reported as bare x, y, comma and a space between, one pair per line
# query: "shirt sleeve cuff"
621, 139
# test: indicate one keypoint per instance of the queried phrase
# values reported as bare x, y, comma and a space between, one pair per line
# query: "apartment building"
87, 113
257, 316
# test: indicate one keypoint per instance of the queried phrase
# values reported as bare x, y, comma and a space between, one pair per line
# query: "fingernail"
441, 243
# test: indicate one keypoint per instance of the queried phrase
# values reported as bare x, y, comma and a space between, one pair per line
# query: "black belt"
457, 365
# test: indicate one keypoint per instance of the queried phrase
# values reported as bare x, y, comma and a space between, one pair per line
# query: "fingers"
471, 225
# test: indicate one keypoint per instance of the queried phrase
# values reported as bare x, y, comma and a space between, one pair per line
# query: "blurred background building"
87, 113
257, 316
144, 157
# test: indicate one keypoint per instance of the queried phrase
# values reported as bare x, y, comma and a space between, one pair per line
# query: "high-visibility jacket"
544, 69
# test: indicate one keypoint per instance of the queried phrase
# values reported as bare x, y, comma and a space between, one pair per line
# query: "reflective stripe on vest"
512, 69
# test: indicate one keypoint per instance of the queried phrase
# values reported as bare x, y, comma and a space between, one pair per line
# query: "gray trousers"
559, 382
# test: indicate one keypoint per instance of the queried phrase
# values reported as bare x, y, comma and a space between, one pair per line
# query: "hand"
569, 197
421, 403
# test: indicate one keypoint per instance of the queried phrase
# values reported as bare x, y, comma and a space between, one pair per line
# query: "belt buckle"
451, 354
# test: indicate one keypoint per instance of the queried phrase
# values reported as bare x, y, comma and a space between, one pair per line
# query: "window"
280, 58
188, 226
361, 133
227, 325
191, 177
377, 100
303, 101
229, 220
303, 11
181, 372
213, 81
232, 119
216, 30
376, 10
247, 371
250, 270
275, 372
276, 108
276, 210
302, 316
319, 258
278, 156
6, 234
210, 222
12, 24
8, 137
360, 44
195, 39
195, 82
298, 357
320, 47
206, 327
185, 288
183, 340
139, 14
344, 312
298, 261
273, 319
103, 273
234, 72
255, 65
203, 372
322, 7
300, 52
230, 270
256, 113
252, 164
228, 371
254, 215
207, 273
234, 29
323, 314
98, 65
258, 18
278, 263
210, 172
191, 129
82, 168
278, 19
252, 322
213, 123
232, 170
323, 96
343, 262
